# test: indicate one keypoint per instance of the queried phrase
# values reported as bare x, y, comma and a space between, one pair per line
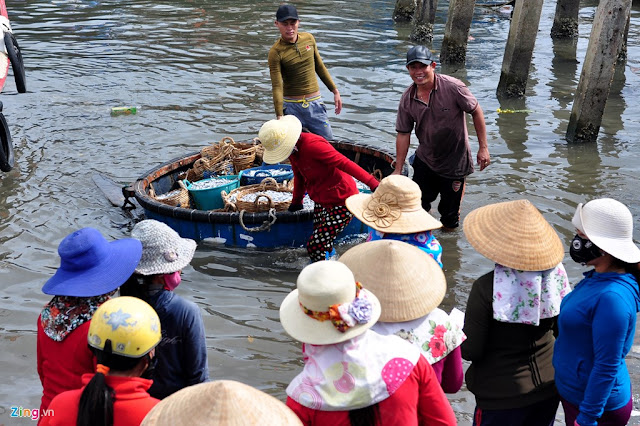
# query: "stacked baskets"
225, 158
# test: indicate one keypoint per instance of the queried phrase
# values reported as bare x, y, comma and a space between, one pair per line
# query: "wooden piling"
622, 53
565, 22
423, 20
404, 10
607, 34
456, 33
519, 49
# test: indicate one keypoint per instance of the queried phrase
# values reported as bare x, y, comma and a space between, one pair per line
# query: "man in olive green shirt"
294, 61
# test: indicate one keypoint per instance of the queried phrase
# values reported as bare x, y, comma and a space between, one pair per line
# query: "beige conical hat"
220, 403
407, 281
514, 234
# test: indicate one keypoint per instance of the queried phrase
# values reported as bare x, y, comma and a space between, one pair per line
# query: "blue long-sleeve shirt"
596, 329
182, 352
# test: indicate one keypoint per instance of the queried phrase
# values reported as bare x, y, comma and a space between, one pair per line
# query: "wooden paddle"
112, 190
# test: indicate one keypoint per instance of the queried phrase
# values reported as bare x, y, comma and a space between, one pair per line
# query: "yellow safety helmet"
130, 323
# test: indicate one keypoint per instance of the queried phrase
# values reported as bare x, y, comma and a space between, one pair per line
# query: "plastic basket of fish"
255, 175
263, 200
206, 193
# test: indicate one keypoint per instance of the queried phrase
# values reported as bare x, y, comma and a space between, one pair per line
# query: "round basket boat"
268, 229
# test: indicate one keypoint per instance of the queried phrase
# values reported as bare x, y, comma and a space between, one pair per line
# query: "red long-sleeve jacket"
320, 170
131, 404
62, 364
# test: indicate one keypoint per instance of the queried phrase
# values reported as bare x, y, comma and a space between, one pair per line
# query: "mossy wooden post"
519, 49
404, 10
456, 33
565, 22
607, 36
622, 53
423, 20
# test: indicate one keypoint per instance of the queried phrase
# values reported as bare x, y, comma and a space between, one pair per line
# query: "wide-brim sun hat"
91, 266
220, 403
407, 281
163, 250
395, 207
323, 287
514, 234
609, 225
279, 137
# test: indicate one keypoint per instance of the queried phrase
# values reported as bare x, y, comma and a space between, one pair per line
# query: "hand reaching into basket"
294, 207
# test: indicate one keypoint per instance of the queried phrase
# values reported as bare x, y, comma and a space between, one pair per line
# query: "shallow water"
198, 71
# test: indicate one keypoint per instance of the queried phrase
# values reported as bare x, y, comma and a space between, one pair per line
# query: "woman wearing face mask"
182, 353
123, 335
598, 318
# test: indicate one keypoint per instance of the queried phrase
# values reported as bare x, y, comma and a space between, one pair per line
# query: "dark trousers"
451, 192
541, 414
619, 417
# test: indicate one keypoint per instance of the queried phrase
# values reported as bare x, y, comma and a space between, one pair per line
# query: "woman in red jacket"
91, 270
320, 170
353, 375
123, 335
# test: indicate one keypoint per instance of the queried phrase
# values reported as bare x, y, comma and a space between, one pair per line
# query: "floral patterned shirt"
425, 241
526, 297
63, 314
436, 334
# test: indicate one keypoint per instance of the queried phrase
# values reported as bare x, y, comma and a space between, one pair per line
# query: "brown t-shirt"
440, 125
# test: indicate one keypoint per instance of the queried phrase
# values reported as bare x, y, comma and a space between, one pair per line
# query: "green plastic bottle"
125, 110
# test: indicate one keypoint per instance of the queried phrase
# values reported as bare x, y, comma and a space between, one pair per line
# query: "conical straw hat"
407, 281
514, 234
220, 403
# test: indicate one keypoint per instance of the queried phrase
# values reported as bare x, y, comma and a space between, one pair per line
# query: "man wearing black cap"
435, 104
294, 61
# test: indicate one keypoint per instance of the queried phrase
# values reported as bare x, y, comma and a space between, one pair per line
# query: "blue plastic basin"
210, 198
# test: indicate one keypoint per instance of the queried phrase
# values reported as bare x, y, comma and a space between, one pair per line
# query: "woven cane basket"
177, 197
263, 202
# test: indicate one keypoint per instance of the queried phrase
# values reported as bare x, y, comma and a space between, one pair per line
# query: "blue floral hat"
91, 266
328, 306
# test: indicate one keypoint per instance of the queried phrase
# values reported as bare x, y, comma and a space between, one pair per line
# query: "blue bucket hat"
91, 266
